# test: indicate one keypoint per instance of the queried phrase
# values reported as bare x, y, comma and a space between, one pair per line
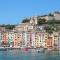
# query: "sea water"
28, 55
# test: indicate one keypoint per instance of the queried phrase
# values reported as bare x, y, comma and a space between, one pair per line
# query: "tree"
49, 29
53, 21
50, 14
41, 21
57, 12
8, 26
25, 20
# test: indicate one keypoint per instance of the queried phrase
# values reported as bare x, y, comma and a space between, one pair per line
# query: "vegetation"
52, 25
25, 20
41, 21
57, 12
50, 28
8, 26
53, 22
50, 14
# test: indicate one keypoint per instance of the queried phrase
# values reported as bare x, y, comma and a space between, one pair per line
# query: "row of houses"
35, 39
30, 35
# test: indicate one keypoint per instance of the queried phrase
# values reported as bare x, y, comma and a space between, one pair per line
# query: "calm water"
30, 55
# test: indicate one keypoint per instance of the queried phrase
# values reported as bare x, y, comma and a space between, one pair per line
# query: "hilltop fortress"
53, 16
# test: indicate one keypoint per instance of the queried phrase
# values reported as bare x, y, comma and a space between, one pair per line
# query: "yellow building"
19, 39
39, 39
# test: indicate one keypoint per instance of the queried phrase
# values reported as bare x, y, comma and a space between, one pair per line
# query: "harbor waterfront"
32, 40
29, 29
28, 55
35, 32
37, 39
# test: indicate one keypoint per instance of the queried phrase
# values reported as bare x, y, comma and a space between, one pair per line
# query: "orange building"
5, 38
50, 41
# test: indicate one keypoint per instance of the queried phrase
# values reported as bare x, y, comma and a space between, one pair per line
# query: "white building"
33, 20
33, 40
10, 38
57, 16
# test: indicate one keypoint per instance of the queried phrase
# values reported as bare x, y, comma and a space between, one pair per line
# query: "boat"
40, 50
25, 49
3, 49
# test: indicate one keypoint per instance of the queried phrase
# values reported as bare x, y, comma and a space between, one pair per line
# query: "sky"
14, 11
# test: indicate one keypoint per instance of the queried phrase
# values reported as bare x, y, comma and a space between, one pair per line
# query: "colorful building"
59, 40
15, 39
10, 38
5, 39
28, 40
1, 39
40, 39
33, 40
50, 41
56, 40
25, 39
19, 39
